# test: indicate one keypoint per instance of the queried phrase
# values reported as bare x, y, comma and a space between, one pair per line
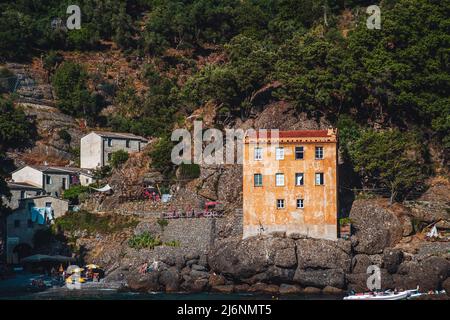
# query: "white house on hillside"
53, 180
97, 147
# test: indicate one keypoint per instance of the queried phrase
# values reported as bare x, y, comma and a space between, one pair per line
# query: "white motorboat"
387, 295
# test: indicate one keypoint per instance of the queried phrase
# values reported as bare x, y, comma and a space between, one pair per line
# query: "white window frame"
300, 201
279, 153
302, 180
277, 181
317, 179
258, 153
319, 151
302, 152
254, 180
281, 204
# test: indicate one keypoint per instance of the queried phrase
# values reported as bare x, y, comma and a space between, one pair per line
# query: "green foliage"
51, 60
162, 223
102, 172
173, 243
389, 160
144, 241
74, 222
65, 136
16, 130
118, 158
161, 155
74, 98
74, 193
345, 221
83, 39
189, 171
15, 34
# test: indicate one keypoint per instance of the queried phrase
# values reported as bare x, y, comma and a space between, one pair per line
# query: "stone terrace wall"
196, 233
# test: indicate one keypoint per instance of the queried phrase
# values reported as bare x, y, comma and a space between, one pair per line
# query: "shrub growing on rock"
74, 193
144, 240
118, 158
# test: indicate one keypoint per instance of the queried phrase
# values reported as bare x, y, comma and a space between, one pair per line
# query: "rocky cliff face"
279, 264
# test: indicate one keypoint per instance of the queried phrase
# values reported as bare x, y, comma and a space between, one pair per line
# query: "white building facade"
97, 147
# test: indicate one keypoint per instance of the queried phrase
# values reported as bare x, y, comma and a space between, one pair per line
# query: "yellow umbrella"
92, 266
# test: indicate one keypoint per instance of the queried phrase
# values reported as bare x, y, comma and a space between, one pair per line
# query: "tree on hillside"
15, 35
161, 155
73, 96
388, 159
16, 130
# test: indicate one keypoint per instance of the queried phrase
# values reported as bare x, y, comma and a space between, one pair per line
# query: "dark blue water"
113, 295
18, 288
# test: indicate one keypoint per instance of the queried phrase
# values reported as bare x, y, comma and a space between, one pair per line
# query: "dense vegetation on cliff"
319, 56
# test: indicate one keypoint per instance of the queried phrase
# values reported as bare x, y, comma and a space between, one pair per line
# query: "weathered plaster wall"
91, 151
318, 218
28, 175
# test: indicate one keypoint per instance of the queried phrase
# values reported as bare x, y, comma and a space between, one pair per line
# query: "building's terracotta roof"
290, 134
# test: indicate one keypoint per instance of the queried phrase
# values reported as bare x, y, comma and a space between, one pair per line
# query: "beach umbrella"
74, 269
92, 266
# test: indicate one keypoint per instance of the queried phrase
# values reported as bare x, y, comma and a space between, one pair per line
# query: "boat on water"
391, 295
386, 295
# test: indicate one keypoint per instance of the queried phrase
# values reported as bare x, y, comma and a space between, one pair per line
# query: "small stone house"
21, 225
20, 191
96, 148
53, 180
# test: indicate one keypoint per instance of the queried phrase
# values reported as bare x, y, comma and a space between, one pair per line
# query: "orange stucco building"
290, 183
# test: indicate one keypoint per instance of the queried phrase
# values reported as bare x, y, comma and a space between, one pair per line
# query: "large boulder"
241, 259
320, 278
143, 283
323, 254
446, 286
428, 274
170, 279
433, 205
360, 262
392, 259
375, 226
285, 256
358, 281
